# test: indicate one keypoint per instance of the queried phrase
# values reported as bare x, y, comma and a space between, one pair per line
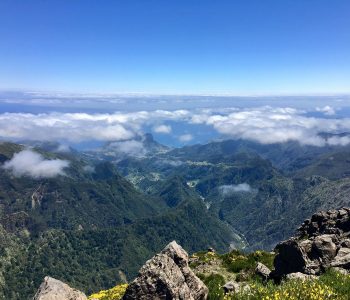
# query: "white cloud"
327, 110
162, 129
89, 169
130, 148
185, 138
62, 148
265, 125
71, 127
78, 127
33, 164
227, 190
269, 125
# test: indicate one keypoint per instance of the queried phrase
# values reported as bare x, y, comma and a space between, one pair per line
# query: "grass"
235, 261
330, 285
214, 283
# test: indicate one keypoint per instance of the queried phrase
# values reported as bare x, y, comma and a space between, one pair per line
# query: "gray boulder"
167, 276
321, 242
342, 260
53, 289
300, 276
233, 287
262, 271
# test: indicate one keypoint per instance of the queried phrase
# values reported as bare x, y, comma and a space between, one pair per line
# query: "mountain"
334, 165
139, 147
277, 179
89, 226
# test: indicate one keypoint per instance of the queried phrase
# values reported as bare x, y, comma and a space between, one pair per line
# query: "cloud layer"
264, 124
268, 125
33, 164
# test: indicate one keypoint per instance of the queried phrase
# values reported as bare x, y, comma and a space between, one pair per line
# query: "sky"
247, 47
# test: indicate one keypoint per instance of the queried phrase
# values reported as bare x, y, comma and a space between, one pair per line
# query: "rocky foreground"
321, 243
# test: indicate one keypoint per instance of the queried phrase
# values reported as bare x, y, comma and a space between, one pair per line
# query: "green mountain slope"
91, 228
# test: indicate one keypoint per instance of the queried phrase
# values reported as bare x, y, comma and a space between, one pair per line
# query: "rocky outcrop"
167, 276
321, 242
53, 289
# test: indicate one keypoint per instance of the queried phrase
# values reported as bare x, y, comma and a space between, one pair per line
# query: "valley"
106, 214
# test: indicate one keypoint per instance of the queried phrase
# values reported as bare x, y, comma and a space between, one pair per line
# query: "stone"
342, 259
320, 243
167, 276
262, 271
300, 276
342, 213
341, 270
346, 243
324, 248
53, 289
291, 258
231, 287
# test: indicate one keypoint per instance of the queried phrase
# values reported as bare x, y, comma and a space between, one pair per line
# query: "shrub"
115, 293
214, 283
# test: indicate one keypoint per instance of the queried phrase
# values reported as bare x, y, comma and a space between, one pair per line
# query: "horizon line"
64, 93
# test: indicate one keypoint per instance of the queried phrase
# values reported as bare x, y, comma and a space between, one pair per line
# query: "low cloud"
89, 169
327, 110
170, 162
162, 129
33, 164
129, 148
62, 148
186, 138
230, 189
266, 125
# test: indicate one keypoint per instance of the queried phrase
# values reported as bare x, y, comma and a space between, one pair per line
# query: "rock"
210, 249
300, 276
167, 276
324, 248
342, 260
233, 287
322, 242
346, 243
291, 257
53, 289
262, 271
341, 271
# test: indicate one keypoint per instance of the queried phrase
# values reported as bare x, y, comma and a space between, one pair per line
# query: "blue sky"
176, 47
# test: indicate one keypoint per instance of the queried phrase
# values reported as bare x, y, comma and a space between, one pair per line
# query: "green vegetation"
236, 261
214, 283
92, 229
330, 285
115, 293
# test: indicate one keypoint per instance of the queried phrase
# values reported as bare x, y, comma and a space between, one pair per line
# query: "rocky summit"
167, 276
53, 289
320, 243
